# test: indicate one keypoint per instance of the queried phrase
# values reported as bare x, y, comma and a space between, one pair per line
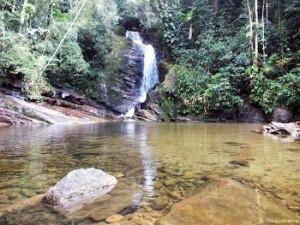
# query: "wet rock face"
120, 89
227, 202
78, 187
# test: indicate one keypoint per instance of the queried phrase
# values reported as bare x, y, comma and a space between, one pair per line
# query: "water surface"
157, 159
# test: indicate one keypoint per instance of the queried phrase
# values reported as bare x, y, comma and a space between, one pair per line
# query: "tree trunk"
160, 4
216, 5
256, 33
14, 6
2, 27
191, 31
50, 13
250, 28
263, 31
22, 17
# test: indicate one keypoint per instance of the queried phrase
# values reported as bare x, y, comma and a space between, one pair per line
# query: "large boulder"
282, 115
227, 202
78, 187
251, 114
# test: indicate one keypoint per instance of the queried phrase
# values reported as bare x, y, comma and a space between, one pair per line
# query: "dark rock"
78, 187
227, 202
163, 70
282, 115
251, 114
124, 76
131, 23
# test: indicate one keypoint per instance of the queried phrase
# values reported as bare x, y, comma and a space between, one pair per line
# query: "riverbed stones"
160, 203
227, 202
79, 186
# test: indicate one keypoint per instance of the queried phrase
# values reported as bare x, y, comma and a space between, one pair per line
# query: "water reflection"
138, 134
148, 162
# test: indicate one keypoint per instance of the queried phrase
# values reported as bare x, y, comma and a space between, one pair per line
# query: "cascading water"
150, 72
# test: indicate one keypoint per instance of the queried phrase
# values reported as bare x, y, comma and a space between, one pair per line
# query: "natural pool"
156, 164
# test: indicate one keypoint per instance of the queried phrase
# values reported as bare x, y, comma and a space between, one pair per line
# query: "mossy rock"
115, 61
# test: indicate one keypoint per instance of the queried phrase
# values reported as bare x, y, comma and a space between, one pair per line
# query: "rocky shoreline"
63, 107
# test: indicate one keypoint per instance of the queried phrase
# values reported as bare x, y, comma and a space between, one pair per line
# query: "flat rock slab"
227, 202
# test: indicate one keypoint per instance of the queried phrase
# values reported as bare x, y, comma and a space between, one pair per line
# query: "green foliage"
220, 95
95, 42
200, 92
170, 17
269, 93
17, 59
215, 68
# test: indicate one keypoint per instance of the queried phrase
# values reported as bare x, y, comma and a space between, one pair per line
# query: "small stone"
175, 194
190, 175
27, 193
160, 203
170, 182
119, 175
114, 218
158, 184
156, 214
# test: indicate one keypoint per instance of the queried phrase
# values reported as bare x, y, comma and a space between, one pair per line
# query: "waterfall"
150, 72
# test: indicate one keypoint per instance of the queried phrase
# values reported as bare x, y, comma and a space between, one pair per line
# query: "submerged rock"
227, 202
78, 187
114, 218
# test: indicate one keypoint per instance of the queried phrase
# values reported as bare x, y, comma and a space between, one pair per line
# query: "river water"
151, 159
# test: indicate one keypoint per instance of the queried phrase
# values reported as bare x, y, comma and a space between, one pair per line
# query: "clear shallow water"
157, 159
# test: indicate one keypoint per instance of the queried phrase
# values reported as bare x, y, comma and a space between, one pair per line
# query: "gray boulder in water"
78, 187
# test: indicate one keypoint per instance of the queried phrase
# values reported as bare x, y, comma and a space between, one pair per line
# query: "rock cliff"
123, 78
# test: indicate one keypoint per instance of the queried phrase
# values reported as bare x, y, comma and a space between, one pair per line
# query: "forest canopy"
222, 53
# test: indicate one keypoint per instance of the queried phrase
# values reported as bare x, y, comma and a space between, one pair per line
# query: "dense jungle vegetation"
219, 53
